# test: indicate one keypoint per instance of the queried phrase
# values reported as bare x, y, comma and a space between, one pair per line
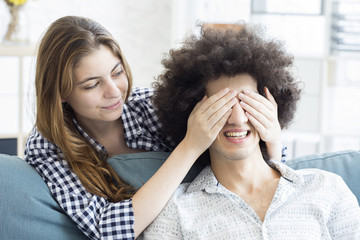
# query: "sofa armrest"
27, 208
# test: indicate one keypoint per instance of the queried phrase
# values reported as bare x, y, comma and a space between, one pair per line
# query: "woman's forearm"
152, 197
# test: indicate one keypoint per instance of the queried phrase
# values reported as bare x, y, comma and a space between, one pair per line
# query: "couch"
28, 210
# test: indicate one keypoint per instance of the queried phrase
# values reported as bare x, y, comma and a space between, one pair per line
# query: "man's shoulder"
188, 191
181, 195
306, 176
181, 190
318, 182
319, 175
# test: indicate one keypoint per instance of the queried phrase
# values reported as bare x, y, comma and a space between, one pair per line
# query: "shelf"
15, 135
18, 50
21, 52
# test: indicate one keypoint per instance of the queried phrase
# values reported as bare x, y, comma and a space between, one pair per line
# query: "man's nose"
237, 116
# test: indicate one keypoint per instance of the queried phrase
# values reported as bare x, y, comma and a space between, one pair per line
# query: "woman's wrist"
275, 150
189, 151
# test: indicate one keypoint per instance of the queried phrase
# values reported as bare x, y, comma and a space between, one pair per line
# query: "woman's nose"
111, 89
237, 116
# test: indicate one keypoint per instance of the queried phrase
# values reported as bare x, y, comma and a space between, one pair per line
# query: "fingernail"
226, 90
246, 91
233, 92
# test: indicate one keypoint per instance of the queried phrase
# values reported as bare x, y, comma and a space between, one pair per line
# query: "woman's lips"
113, 106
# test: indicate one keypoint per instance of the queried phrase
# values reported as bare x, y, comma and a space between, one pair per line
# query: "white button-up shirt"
308, 204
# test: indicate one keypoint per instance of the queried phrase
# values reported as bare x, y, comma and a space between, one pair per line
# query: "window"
299, 7
345, 29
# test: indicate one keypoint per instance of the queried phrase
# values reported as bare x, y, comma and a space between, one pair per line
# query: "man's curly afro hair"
216, 52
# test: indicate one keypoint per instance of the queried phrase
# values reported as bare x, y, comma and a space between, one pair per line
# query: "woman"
87, 111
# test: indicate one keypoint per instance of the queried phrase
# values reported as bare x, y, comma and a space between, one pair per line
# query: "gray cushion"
27, 208
137, 168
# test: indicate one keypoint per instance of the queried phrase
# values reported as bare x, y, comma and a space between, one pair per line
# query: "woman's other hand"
263, 115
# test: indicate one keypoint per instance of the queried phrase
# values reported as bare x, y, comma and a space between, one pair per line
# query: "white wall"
326, 120
143, 28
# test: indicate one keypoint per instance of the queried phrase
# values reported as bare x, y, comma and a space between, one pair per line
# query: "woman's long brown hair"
64, 44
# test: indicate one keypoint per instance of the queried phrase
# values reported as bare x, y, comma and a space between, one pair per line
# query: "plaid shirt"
94, 215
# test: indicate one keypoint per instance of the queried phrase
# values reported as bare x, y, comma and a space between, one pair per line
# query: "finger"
201, 102
211, 100
213, 112
221, 123
215, 117
260, 112
263, 119
270, 97
260, 128
255, 100
214, 103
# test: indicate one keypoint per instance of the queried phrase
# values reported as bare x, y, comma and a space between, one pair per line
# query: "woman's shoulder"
139, 103
36, 140
37, 146
140, 93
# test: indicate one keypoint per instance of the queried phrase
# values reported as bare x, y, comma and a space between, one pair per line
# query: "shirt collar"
99, 147
287, 173
130, 122
206, 180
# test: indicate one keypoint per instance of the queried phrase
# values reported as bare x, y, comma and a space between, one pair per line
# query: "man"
242, 194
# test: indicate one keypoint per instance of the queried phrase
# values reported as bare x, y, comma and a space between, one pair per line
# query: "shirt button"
139, 132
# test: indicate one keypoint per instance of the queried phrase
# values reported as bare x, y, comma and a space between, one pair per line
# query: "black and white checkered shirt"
94, 215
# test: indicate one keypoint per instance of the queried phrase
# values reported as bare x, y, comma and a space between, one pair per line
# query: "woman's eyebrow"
118, 64
96, 77
87, 79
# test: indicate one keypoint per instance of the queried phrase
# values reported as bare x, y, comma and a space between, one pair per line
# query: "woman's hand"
208, 118
262, 113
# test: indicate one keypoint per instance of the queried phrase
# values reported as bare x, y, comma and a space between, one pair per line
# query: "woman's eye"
118, 73
92, 86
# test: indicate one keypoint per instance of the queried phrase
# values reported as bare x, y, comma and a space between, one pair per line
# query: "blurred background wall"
323, 36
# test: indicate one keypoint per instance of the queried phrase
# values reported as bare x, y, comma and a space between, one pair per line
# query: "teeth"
236, 134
